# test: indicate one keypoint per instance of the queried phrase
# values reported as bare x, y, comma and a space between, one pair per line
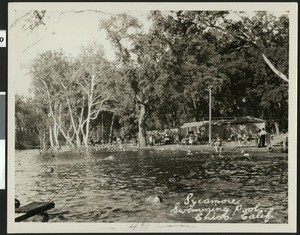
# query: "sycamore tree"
254, 86
125, 108
210, 48
242, 31
89, 89
137, 57
46, 71
74, 91
190, 62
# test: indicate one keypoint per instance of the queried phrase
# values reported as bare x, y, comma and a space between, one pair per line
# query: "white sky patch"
68, 30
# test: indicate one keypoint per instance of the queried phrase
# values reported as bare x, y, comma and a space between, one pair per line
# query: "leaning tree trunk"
272, 67
56, 122
277, 128
142, 126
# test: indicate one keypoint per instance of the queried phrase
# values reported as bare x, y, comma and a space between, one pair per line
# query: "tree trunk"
51, 137
41, 138
87, 127
76, 129
44, 140
102, 130
276, 128
69, 141
142, 128
111, 128
97, 133
90, 104
78, 140
55, 134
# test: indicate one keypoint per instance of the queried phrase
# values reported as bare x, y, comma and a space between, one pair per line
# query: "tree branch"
101, 102
96, 115
247, 38
278, 73
85, 90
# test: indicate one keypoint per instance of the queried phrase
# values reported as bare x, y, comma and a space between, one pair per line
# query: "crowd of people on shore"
237, 139
261, 139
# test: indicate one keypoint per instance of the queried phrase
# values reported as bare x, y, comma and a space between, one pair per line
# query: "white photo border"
21, 227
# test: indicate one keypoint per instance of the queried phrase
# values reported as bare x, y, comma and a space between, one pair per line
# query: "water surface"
87, 188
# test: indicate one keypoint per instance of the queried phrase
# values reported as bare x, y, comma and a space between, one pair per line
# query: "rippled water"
87, 188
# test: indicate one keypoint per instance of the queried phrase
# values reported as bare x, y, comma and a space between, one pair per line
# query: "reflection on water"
87, 188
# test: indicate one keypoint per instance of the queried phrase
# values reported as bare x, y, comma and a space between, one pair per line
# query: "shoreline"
210, 149
170, 147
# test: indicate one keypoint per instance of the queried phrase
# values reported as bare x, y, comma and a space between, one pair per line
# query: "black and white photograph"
152, 117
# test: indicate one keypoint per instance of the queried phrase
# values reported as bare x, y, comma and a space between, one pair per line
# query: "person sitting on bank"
247, 139
218, 144
232, 140
150, 140
176, 139
191, 139
186, 139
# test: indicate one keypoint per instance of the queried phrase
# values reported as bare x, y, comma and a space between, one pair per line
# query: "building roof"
193, 124
246, 119
235, 120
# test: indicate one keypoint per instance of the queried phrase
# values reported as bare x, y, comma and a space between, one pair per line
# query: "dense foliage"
160, 78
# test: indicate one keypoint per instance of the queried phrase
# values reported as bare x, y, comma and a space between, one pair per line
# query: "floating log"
17, 203
33, 209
